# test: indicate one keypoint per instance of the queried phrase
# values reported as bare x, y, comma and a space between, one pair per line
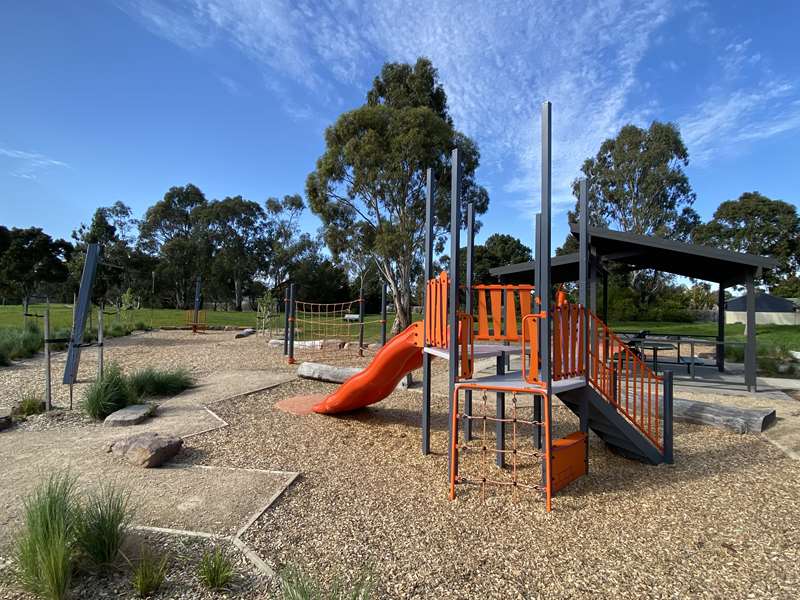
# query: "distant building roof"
764, 303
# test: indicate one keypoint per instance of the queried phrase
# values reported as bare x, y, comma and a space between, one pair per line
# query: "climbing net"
332, 332
513, 439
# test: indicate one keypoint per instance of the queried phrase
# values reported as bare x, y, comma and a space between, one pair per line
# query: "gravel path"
721, 523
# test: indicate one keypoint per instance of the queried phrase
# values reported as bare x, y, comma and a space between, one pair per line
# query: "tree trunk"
237, 294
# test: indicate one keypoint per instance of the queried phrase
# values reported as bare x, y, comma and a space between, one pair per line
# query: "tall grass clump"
20, 342
29, 404
44, 548
215, 569
296, 585
108, 394
149, 573
152, 382
102, 523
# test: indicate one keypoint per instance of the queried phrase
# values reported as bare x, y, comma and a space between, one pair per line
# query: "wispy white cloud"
28, 165
498, 62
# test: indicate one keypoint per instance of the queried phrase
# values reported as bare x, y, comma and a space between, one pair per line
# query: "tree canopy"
368, 187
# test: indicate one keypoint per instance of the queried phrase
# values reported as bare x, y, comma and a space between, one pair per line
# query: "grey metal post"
668, 434
500, 397
383, 314
720, 347
426, 358
750, 350
286, 321
48, 394
537, 288
291, 323
468, 307
196, 317
100, 338
592, 283
455, 231
361, 322
583, 295
605, 296
544, 264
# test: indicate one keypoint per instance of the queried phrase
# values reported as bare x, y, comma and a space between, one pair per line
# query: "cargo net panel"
476, 457
332, 333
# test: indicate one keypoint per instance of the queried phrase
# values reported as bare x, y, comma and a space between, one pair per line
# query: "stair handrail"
624, 379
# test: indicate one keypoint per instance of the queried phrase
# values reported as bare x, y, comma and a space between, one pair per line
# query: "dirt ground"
720, 523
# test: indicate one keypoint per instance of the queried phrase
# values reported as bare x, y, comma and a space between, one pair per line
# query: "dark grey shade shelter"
764, 303
629, 250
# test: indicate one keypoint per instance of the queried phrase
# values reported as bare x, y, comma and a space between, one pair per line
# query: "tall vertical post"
196, 316
500, 397
537, 288
48, 394
286, 321
426, 358
604, 275
361, 322
100, 339
583, 296
545, 293
383, 314
291, 309
468, 308
720, 347
750, 348
455, 231
667, 411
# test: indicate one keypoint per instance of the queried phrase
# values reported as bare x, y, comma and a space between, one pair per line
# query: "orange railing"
436, 325
624, 379
501, 309
568, 340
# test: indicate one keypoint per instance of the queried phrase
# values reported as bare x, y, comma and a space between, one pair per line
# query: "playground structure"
539, 350
334, 332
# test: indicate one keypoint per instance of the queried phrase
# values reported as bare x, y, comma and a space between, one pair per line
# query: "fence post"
361, 323
286, 321
291, 323
668, 442
100, 338
383, 314
48, 396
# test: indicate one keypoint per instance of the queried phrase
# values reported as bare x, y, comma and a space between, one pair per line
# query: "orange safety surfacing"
300, 405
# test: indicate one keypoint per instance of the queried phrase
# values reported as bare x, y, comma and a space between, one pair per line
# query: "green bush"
44, 548
296, 585
152, 382
215, 569
29, 404
108, 394
141, 326
149, 573
102, 523
20, 342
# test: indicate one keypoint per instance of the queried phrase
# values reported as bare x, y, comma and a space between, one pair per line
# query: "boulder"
130, 415
275, 343
244, 333
148, 449
5, 418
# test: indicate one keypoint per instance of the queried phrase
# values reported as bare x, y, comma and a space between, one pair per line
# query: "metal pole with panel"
468, 307
455, 231
537, 287
583, 296
547, 137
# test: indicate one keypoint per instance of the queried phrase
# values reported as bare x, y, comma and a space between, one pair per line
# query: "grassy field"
783, 336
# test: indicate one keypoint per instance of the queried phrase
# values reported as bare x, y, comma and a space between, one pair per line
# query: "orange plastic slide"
401, 355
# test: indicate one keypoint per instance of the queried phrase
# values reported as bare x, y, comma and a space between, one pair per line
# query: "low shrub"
152, 382
215, 569
296, 585
149, 573
29, 404
44, 548
108, 394
141, 326
5, 360
117, 330
20, 342
102, 523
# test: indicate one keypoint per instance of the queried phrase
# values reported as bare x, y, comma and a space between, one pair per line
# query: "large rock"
245, 333
5, 418
275, 343
148, 449
130, 415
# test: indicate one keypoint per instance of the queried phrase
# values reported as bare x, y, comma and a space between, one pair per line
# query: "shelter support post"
667, 412
750, 349
720, 347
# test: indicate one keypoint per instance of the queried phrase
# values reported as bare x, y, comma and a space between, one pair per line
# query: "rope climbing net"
334, 332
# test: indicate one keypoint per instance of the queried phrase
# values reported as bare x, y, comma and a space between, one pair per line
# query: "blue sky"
106, 101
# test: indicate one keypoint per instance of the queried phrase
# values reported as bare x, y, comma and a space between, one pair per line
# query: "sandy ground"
720, 523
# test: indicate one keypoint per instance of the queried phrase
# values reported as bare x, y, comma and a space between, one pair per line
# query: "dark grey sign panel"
81, 314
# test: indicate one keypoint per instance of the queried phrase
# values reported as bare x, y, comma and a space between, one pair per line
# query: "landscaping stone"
5, 418
245, 332
130, 415
275, 343
148, 449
